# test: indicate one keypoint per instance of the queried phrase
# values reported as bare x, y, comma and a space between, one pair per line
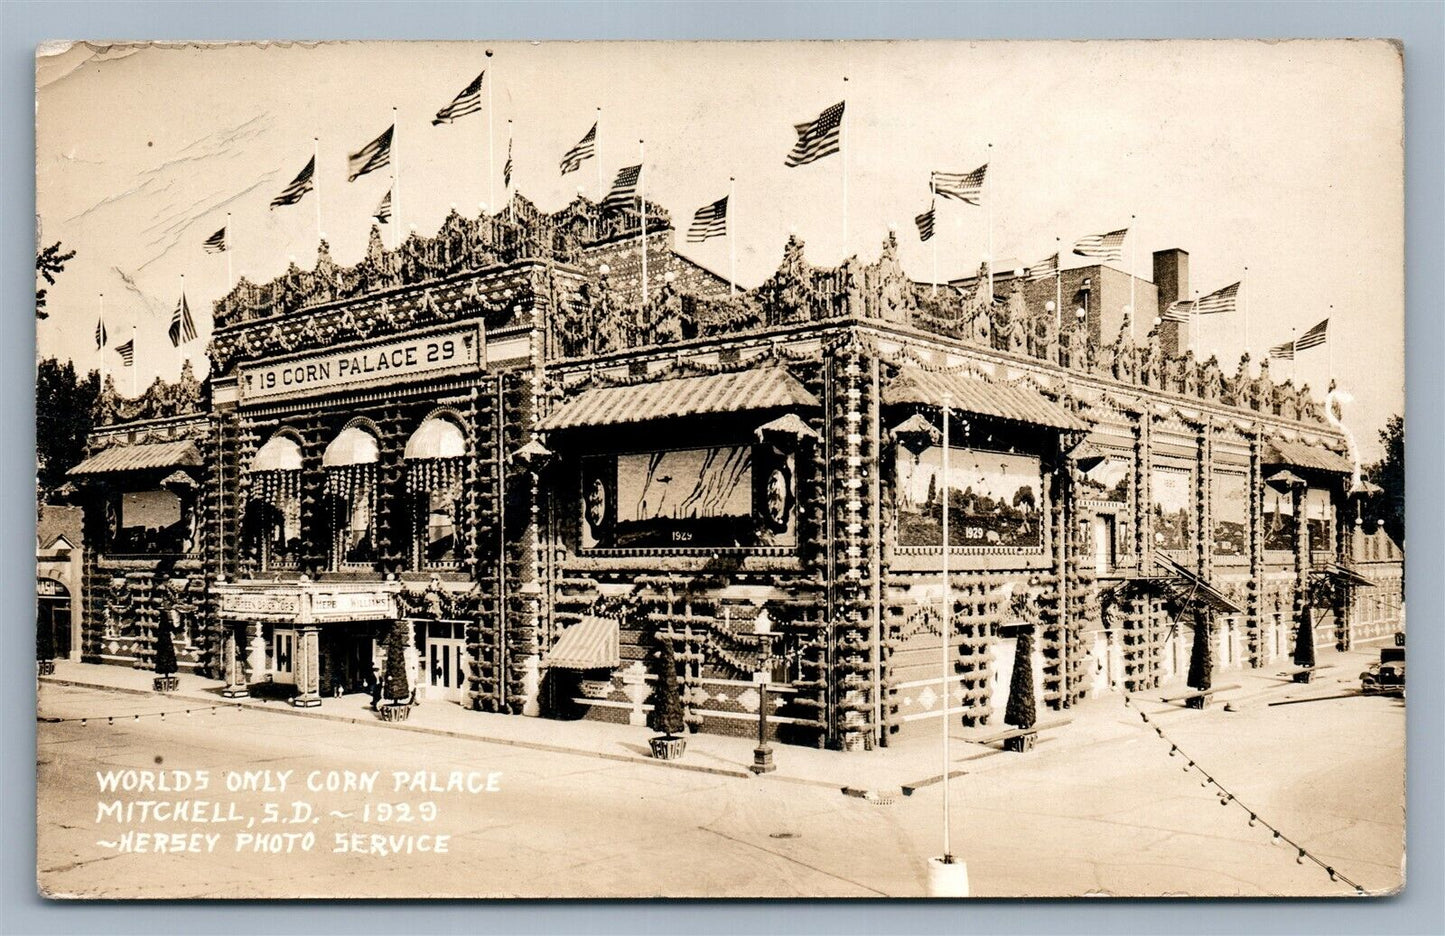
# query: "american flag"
507, 167
383, 208
624, 187
183, 327
964, 186
1314, 337
371, 157
468, 102
299, 186
586, 148
1045, 268
216, 243
710, 221
127, 353
1221, 300
100, 335
1179, 311
817, 138
1103, 246
925, 224
1283, 351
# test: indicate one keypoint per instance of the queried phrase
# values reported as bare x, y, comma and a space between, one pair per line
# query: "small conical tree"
44, 642
1201, 658
1304, 645
667, 700
395, 681
165, 663
1022, 711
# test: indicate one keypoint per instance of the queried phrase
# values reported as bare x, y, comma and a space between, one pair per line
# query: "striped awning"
981, 397
146, 457
1302, 455
762, 388
591, 643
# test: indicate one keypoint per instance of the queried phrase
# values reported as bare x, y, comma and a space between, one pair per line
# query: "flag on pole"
299, 186
507, 167
183, 327
1179, 311
127, 353
1284, 352
964, 186
817, 138
1314, 337
1221, 300
216, 243
925, 224
1045, 268
1103, 246
709, 221
586, 148
624, 187
100, 335
383, 208
468, 102
371, 157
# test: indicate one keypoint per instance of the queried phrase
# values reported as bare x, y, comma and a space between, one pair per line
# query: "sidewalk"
879, 775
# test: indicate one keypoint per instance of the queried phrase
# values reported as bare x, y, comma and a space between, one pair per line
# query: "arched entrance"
52, 602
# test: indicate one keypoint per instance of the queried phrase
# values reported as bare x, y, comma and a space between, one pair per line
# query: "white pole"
491, 161
946, 627
642, 192
843, 146
315, 184
732, 239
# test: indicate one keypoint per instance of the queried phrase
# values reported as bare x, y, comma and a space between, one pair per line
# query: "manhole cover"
783, 835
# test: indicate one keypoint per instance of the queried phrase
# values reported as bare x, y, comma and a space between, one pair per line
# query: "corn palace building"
550, 463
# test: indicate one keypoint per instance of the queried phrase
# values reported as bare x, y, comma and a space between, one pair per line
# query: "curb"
415, 729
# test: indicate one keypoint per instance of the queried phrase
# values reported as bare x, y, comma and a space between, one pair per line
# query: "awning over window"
1190, 587
982, 397
436, 438
354, 446
147, 457
280, 453
1301, 455
591, 643
758, 389
1344, 574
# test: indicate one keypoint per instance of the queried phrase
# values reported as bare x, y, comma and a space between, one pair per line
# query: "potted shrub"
667, 708
396, 684
165, 662
1201, 660
45, 649
1022, 711
1304, 648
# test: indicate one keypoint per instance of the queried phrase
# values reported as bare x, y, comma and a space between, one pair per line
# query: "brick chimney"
1171, 276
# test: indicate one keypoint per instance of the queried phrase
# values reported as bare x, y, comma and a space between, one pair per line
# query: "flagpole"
642, 193
1293, 354
597, 156
100, 345
230, 245
134, 388
507, 182
1133, 303
180, 327
988, 200
315, 184
1194, 324
1058, 290
1329, 352
395, 178
732, 239
933, 206
491, 157
843, 146
946, 625
1244, 288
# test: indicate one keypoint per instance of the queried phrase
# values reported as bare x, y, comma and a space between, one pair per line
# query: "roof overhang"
151, 456
981, 397
763, 388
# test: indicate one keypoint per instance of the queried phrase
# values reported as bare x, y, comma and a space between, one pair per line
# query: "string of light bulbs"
85, 720
1226, 797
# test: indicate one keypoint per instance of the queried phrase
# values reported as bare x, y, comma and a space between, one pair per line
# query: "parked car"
1387, 677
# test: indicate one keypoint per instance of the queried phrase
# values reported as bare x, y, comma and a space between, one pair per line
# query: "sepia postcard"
720, 469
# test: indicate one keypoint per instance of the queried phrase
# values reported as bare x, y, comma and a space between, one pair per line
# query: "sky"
1284, 158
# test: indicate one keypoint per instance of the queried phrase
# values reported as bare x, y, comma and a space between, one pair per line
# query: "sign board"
394, 360
50, 588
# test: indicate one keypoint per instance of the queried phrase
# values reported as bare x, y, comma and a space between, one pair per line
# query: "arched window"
435, 461
274, 512
350, 464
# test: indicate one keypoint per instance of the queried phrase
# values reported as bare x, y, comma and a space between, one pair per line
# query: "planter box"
1304, 676
45, 667
165, 684
396, 712
668, 748
1022, 743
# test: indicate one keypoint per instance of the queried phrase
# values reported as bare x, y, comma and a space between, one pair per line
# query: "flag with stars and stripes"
1284, 352
371, 157
507, 167
299, 186
624, 187
383, 208
964, 186
1045, 268
183, 327
817, 138
709, 221
468, 102
127, 353
1221, 300
586, 148
1179, 311
1314, 337
100, 335
925, 224
216, 243
1103, 246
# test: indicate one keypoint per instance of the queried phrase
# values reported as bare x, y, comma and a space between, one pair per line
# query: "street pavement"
578, 810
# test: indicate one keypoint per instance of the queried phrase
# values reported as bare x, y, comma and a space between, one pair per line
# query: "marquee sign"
397, 359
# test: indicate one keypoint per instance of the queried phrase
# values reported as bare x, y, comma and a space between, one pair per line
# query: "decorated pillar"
1254, 600
232, 664
307, 663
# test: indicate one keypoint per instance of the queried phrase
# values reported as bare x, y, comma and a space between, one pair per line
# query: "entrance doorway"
283, 656
1103, 544
52, 605
446, 645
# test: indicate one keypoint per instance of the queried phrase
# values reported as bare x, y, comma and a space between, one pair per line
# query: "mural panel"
1278, 519
1172, 504
1229, 500
994, 499
1109, 481
1319, 513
